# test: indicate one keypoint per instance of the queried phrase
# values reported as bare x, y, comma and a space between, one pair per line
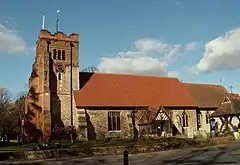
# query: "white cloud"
191, 46
11, 42
221, 53
151, 56
173, 74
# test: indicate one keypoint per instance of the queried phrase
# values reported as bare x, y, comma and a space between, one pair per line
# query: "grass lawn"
16, 147
114, 143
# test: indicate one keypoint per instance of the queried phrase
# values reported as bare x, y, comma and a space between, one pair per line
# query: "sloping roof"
229, 108
207, 95
148, 115
119, 90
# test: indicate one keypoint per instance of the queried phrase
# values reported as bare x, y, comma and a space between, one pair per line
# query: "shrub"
63, 133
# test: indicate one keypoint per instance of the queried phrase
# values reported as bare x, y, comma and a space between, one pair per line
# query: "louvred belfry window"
54, 54
63, 55
59, 55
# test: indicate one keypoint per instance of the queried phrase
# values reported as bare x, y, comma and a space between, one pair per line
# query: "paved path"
224, 154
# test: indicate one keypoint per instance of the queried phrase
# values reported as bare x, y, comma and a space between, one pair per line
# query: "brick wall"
54, 97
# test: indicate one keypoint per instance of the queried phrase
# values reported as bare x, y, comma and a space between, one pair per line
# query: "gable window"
114, 121
54, 54
207, 118
59, 55
59, 76
63, 55
226, 100
184, 119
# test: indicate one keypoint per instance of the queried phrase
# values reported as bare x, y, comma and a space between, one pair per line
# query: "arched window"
59, 76
54, 54
59, 55
199, 119
63, 55
184, 119
207, 117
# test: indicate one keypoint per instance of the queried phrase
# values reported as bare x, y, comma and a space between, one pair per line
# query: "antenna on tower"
57, 22
43, 22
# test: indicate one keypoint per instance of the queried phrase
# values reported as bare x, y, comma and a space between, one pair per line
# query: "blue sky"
196, 41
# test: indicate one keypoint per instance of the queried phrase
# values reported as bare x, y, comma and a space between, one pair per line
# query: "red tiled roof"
231, 107
118, 90
148, 115
207, 95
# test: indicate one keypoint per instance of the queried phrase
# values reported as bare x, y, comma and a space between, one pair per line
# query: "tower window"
54, 54
59, 55
63, 55
59, 76
45, 75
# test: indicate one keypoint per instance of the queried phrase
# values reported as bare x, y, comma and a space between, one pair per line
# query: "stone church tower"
50, 102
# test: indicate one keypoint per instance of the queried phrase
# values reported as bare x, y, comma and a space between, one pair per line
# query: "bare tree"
17, 114
5, 106
11, 114
90, 69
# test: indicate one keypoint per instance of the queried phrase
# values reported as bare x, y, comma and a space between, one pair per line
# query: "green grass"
104, 143
16, 147
87, 144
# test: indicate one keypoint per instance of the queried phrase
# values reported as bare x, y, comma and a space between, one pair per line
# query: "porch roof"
147, 116
231, 108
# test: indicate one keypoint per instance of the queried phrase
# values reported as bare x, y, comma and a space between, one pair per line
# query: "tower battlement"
59, 36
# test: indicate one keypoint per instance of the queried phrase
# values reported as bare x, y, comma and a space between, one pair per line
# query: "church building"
101, 105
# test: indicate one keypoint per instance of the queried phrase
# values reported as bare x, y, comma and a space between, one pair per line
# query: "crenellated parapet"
59, 36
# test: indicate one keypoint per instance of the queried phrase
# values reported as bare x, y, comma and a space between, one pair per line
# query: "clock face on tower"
60, 67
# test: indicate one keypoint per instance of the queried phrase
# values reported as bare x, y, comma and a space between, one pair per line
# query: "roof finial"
43, 22
231, 88
57, 22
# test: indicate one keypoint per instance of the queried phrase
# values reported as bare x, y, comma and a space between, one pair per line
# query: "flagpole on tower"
43, 22
57, 22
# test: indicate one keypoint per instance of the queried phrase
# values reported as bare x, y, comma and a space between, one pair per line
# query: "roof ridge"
126, 74
203, 84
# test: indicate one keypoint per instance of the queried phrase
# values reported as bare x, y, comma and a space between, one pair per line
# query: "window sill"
118, 131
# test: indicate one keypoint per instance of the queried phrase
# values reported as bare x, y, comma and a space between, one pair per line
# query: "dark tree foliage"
11, 112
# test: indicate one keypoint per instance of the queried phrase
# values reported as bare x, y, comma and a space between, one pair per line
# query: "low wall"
100, 151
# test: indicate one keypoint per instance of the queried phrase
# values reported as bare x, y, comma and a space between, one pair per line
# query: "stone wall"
191, 130
204, 128
97, 125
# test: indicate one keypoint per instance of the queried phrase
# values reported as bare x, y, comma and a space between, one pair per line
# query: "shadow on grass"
204, 157
163, 144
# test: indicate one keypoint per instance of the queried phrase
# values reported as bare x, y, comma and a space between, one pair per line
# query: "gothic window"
63, 55
54, 54
199, 119
59, 76
184, 119
59, 55
207, 117
114, 121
